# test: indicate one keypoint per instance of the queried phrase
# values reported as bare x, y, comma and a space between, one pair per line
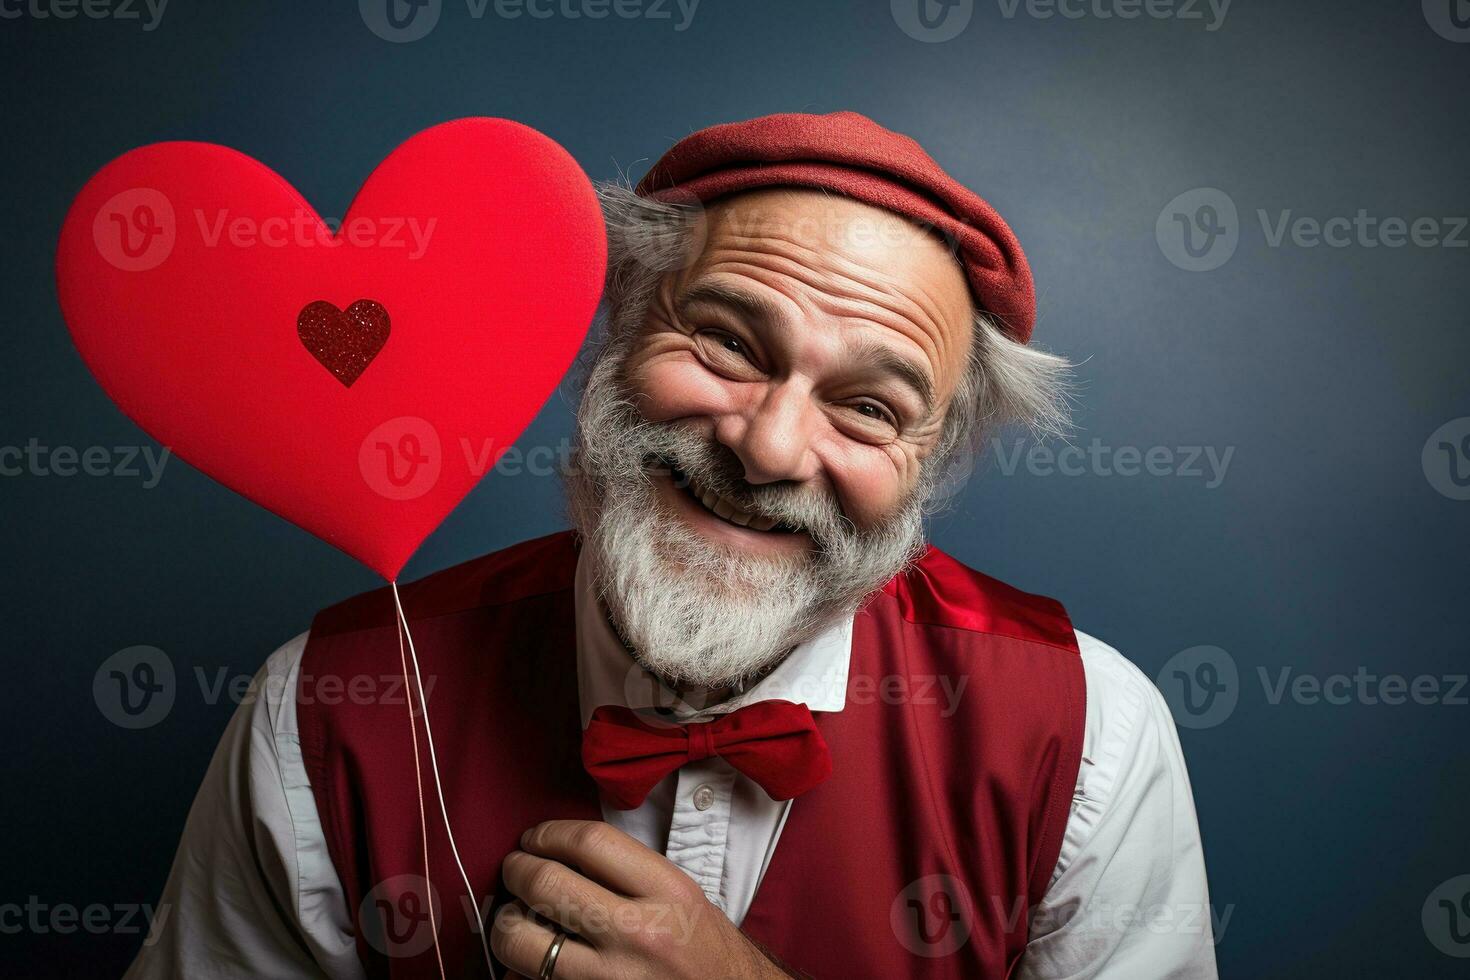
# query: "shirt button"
704, 798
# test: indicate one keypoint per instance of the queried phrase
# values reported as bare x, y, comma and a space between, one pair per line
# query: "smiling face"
819, 340
752, 444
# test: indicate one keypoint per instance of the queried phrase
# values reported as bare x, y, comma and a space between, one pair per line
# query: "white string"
438, 786
418, 785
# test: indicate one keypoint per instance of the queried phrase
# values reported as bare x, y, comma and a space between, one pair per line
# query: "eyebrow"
889, 361
747, 304
867, 353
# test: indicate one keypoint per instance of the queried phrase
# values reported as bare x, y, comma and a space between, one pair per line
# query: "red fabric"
971, 793
851, 154
775, 743
203, 293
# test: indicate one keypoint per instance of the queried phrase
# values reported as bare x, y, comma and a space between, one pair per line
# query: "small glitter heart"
343, 341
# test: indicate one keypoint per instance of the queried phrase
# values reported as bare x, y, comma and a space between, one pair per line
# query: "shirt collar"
813, 674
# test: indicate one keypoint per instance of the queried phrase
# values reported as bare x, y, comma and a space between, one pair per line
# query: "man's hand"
630, 912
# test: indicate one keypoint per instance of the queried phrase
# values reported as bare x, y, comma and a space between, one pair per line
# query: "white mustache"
671, 447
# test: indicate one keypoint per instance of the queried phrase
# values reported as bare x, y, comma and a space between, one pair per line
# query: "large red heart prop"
357, 383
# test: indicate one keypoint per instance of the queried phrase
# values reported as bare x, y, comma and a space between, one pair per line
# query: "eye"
728, 355
875, 412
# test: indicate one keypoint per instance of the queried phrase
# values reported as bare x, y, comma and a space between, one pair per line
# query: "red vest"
920, 857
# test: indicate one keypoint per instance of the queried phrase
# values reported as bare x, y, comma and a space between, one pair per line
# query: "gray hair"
1004, 383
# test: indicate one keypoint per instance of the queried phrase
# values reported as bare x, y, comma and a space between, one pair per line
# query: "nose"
773, 437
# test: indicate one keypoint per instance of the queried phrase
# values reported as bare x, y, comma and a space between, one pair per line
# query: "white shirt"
254, 892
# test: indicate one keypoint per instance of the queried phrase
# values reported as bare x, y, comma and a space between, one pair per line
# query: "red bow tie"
775, 743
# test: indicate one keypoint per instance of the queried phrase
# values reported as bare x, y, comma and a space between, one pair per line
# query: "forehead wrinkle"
927, 323
827, 274
766, 230
831, 266
712, 289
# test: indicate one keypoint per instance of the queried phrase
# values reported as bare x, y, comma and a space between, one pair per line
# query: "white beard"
693, 612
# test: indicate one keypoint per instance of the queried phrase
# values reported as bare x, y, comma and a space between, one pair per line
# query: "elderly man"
743, 722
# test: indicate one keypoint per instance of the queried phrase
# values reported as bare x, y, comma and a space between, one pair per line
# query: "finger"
603, 853
556, 892
520, 942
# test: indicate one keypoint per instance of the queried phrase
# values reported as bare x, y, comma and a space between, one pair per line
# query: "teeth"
727, 509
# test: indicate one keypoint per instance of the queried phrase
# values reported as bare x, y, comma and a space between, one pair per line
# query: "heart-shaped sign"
357, 381
345, 341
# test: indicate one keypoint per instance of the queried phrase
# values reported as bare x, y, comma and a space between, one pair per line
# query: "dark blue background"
1325, 549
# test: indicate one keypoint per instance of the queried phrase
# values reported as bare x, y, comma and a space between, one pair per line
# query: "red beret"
852, 155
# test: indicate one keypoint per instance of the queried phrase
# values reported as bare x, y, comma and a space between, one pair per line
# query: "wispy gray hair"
1005, 382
